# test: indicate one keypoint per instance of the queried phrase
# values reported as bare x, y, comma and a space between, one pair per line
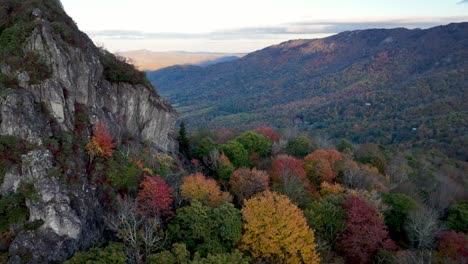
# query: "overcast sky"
246, 25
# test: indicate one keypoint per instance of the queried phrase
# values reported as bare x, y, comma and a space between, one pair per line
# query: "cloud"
298, 28
463, 2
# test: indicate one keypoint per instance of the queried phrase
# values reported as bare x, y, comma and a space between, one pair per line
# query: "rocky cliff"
52, 78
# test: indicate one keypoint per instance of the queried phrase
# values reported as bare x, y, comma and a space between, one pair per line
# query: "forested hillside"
394, 86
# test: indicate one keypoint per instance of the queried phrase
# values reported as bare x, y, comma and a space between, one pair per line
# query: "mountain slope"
55, 86
395, 86
149, 60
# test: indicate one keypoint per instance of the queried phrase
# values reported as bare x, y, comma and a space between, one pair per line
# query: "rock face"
70, 216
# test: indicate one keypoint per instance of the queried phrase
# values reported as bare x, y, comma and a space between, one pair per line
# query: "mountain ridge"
325, 85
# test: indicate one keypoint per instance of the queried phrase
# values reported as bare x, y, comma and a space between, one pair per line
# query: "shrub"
117, 69
101, 144
13, 211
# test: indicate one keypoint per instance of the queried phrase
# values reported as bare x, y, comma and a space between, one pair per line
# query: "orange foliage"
276, 230
320, 165
269, 133
245, 183
101, 143
207, 191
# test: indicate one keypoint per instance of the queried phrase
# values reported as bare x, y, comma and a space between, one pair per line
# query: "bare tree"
212, 160
141, 235
278, 147
422, 226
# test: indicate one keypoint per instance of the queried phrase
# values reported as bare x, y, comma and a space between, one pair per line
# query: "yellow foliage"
276, 230
331, 188
207, 191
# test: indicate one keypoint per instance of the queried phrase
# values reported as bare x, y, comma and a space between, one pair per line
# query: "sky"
246, 25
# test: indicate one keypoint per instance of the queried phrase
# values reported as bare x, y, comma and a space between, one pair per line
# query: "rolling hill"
396, 86
150, 60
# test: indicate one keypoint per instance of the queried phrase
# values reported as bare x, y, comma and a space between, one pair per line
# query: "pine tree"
184, 142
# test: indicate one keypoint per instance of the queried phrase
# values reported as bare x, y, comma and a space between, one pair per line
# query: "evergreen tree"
183, 140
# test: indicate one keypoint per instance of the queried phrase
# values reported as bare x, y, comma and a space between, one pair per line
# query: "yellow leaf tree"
276, 230
207, 191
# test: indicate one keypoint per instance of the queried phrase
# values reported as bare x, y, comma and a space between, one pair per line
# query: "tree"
276, 230
344, 145
399, 207
184, 143
204, 147
320, 165
236, 153
458, 217
452, 247
365, 232
289, 178
155, 198
101, 144
245, 183
254, 143
113, 253
198, 187
331, 189
327, 218
225, 168
207, 230
298, 147
269, 133
421, 228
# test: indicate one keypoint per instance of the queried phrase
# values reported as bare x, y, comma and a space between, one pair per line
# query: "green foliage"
207, 230
298, 147
400, 205
204, 147
236, 257
327, 217
117, 69
254, 142
13, 211
11, 149
458, 217
113, 253
177, 255
184, 143
236, 153
122, 173
225, 170
344, 145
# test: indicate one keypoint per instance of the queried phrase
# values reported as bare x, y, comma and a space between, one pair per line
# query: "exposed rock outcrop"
70, 216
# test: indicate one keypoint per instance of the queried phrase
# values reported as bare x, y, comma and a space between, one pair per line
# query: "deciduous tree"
245, 182
276, 230
101, 143
198, 187
269, 133
236, 153
155, 198
365, 232
255, 143
320, 165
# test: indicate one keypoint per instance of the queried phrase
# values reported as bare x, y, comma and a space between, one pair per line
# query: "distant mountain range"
149, 60
394, 86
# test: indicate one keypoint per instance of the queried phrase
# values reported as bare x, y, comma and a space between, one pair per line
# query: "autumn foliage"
155, 197
101, 143
245, 183
285, 166
276, 230
320, 165
365, 232
269, 133
452, 247
198, 187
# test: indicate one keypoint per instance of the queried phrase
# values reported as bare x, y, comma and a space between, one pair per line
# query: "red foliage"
245, 183
320, 164
155, 197
285, 166
365, 232
101, 143
453, 246
269, 133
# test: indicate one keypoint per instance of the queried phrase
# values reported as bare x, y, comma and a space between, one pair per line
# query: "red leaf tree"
155, 197
269, 133
452, 247
101, 143
365, 232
